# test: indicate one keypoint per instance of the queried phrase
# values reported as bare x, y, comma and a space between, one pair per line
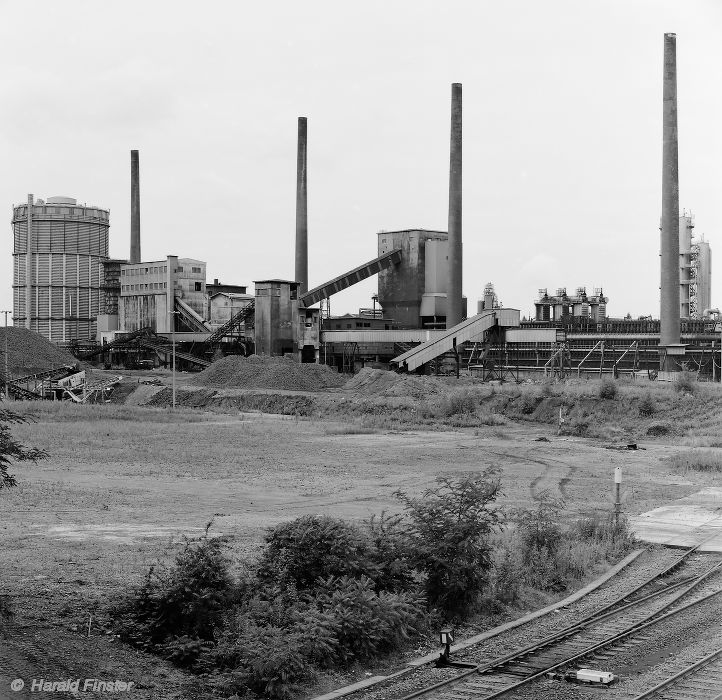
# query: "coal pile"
254, 372
30, 353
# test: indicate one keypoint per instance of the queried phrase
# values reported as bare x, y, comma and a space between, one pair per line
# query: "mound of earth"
380, 382
255, 372
30, 352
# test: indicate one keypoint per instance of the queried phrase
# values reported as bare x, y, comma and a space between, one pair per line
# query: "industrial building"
559, 306
59, 247
421, 323
695, 271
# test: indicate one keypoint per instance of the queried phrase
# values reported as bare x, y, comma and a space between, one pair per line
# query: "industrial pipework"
301, 275
134, 208
669, 314
453, 295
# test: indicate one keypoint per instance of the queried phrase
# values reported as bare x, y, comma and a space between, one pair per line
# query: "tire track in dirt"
553, 478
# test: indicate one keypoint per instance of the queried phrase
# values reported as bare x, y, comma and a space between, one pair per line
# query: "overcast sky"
562, 132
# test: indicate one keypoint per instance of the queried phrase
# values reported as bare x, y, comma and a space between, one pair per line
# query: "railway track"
702, 679
648, 578
614, 627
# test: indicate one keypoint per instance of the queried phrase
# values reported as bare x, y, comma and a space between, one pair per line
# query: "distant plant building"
58, 250
150, 293
695, 274
580, 305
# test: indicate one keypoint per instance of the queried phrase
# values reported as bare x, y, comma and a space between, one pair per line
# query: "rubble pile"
254, 372
30, 353
380, 382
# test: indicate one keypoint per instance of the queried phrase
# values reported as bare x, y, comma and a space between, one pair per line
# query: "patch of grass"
697, 460
685, 382
350, 429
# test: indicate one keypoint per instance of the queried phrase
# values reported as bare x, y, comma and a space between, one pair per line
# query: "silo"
57, 287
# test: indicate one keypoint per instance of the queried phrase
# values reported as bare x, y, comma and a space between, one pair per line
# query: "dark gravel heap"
30, 352
254, 372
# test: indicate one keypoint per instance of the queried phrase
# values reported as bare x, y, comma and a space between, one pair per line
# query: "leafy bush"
265, 659
685, 381
459, 402
539, 528
176, 610
608, 388
343, 621
313, 547
508, 573
365, 622
528, 403
646, 406
449, 536
391, 564
615, 536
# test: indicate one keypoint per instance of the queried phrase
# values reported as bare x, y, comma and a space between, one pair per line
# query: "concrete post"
301, 274
453, 292
134, 208
669, 297
29, 265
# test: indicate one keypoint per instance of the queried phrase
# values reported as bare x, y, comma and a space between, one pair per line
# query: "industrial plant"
124, 312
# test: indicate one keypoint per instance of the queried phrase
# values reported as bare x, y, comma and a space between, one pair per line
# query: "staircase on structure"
451, 341
229, 326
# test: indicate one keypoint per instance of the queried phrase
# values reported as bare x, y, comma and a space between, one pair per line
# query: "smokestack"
669, 306
453, 292
134, 208
301, 275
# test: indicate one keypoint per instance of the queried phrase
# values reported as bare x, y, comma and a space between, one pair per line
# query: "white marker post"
617, 498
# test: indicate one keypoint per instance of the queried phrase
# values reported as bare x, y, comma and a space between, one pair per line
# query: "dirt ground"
124, 485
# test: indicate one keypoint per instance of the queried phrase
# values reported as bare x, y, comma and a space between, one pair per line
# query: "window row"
143, 287
135, 271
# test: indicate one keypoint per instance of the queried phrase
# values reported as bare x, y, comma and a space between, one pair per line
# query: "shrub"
547, 389
450, 529
508, 573
265, 659
615, 536
539, 528
646, 406
528, 404
11, 450
365, 622
685, 381
459, 402
176, 610
343, 621
608, 388
390, 556
312, 547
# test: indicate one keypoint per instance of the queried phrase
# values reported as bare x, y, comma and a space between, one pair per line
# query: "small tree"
539, 528
449, 536
11, 450
608, 388
646, 406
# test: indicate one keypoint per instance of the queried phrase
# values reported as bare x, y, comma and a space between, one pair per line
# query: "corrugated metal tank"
68, 243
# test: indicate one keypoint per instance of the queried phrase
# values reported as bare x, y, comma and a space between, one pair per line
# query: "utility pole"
617, 498
7, 396
172, 331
